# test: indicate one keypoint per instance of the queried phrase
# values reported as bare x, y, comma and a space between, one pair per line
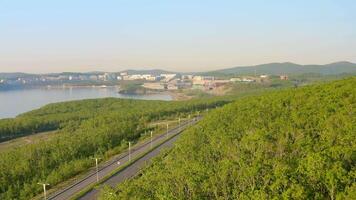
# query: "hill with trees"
292, 144
86, 128
289, 69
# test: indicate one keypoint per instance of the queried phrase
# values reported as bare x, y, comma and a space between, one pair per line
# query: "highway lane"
111, 165
130, 171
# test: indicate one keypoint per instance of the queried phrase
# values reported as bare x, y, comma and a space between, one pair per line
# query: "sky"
41, 36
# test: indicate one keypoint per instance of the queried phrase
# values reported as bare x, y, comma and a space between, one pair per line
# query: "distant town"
145, 81
150, 81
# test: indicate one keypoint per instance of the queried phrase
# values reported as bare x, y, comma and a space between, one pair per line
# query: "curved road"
126, 173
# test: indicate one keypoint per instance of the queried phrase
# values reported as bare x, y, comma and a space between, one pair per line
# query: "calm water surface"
15, 102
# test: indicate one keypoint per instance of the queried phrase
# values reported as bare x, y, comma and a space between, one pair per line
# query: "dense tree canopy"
293, 144
57, 115
87, 128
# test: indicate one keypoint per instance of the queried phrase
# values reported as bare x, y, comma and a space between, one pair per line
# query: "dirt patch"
179, 96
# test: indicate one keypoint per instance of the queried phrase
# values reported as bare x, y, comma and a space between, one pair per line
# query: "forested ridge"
293, 144
49, 117
87, 128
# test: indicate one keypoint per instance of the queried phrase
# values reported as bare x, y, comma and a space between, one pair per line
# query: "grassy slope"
294, 144
26, 140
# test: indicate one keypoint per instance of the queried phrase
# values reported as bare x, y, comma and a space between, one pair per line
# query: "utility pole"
129, 151
151, 139
97, 169
44, 189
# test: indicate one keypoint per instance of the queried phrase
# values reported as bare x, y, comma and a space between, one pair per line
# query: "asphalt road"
130, 171
111, 165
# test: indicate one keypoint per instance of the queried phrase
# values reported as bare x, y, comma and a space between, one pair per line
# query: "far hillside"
288, 68
294, 144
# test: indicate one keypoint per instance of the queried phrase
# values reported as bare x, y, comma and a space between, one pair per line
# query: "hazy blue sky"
182, 35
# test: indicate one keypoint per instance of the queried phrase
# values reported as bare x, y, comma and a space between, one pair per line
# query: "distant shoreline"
82, 86
176, 95
58, 87
15, 102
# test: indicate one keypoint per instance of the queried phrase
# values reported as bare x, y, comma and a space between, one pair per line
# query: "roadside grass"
26, 140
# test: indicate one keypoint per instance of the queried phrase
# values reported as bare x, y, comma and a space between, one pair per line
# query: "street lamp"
44, 189
179, 123
129, 151
167, 129
151, 140
97, 169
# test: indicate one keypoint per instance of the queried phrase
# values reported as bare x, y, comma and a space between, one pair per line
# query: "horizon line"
155, 68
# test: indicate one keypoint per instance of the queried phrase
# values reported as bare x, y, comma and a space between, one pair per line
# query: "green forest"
293, 144
87, 128
50, 117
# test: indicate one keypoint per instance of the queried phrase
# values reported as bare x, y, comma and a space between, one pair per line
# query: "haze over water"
14, 102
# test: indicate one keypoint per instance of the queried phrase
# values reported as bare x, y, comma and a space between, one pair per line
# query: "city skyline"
44, 37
